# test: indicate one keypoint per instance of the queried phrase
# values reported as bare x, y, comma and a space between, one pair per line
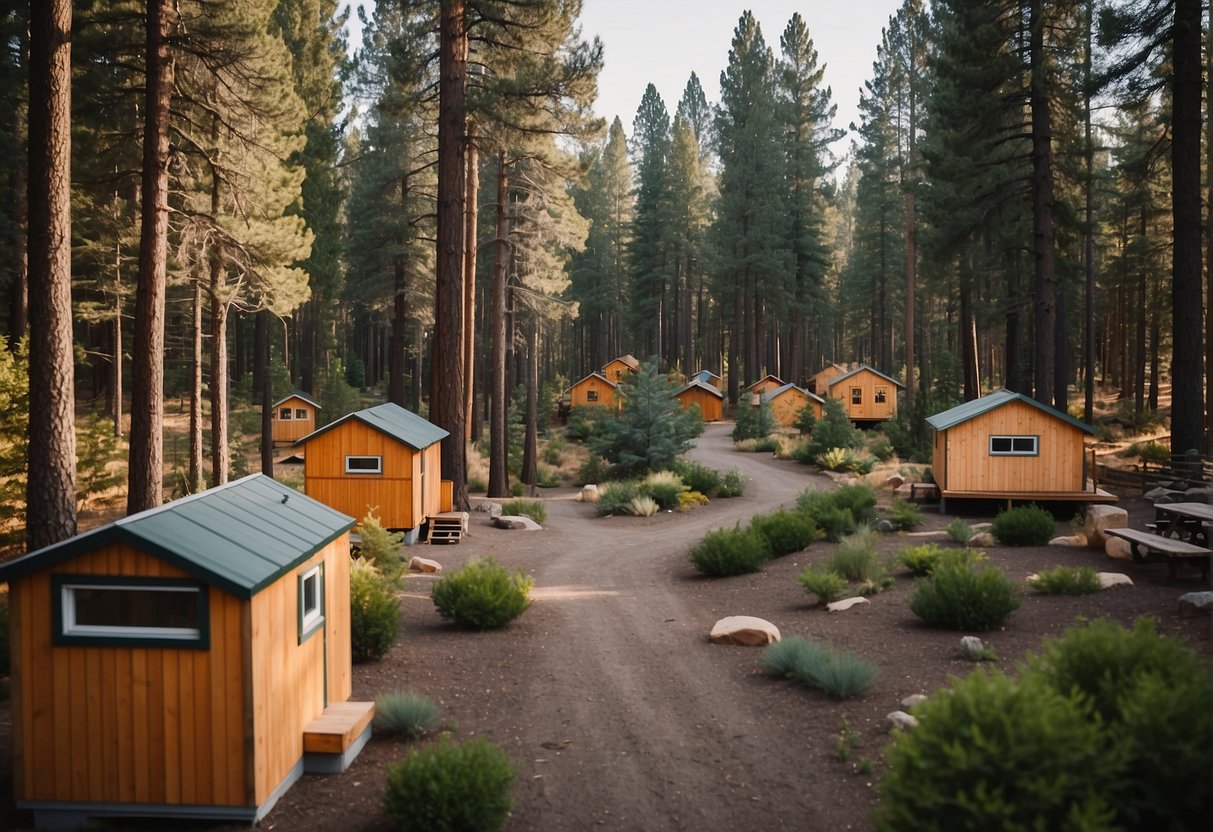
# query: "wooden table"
1185, 521
1147, 547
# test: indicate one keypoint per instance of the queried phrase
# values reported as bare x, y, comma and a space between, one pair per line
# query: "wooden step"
338, 728
448, 527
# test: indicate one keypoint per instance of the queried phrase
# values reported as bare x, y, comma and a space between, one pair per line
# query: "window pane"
285, 414
1023, 444
880, 395
1000, 444
300, 413
121, 607
591, 396
311, 598
363, 464
856, 395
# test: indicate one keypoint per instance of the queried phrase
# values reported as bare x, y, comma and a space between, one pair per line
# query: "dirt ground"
617, 712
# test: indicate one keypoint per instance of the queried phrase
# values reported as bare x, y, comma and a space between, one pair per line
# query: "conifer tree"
647, 253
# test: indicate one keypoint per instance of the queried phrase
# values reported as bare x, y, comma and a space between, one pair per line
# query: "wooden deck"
334, 731
1096, 496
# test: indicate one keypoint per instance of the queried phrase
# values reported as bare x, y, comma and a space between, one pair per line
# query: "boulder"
1154, 494
1099, 518
746, 630
913, 699
1196, 603
1173, 495
491, 509
589, 493
981, 540
1107, 580
516, 521
1118, 548
417, 564
1079, 540
981, 527
884, 526
895, 482
902, 720
846, 604
1198, 495
972, 648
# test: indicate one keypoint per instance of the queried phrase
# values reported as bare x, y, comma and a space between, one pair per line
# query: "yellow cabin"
1008, 446
294, 417
709, 399
866, 395
384, 458
819, 384
617, 368
787, 402
190, 661
768, 382
595, 390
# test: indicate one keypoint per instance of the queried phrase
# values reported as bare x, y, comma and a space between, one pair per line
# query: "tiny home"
294, 417
767, 382
1006, 445
617, 368
819, 384
866, 394
184, 662
708, 397
787, 402
384, 458
595, 390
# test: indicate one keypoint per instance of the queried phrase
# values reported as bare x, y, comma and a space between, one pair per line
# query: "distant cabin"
185, 662
595, 390
767, 382
866, 394
384, 458
819, 384
787, 402
708, 397
1006, 445
294, 417
617, 368
708, 377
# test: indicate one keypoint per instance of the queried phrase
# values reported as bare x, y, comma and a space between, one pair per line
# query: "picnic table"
1147, 547
1184, 521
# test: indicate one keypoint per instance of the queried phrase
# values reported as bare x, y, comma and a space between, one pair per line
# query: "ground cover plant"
1066, 580
405, 715
958, 530
483, 595
726, 552
836, 673
962, 596
856, 560
824, 583
450, 787
905, 515
924, 559
533, 509
1024, 526
785, 531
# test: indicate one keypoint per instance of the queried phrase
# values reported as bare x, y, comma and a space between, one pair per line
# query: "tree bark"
1045, 287
263, 383
395, 358
51, 483
530, 445
1088, 234
195, 481
499, 439
471, 218
220, 453
1209, 236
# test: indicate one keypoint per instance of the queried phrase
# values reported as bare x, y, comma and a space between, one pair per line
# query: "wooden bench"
1151, 548
332, 740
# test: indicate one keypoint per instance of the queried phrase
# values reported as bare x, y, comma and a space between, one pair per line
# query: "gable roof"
240, 537
706, 375
628, 359
596, 375
770, 376
699, 384
774, 393
991, 401
861, 368
394, 422
295, 394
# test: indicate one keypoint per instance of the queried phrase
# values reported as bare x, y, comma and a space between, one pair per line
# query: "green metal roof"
392, 421
775, 392
240, 537
995, 399
295, 394
850, 373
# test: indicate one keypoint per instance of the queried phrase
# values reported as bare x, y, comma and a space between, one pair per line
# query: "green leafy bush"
546, 477
664, 487
450, 787
381, 547
593, 470
697, 477
1066, 580
482, 595
731, 484
959, 530
859, 499
405, 714
517, 489
840, 511
752, 422
616, 497
925, 559
1024, 526
374, 611
553, 451
963, 597
881, 448
533, 509
906, 516
835, 672
785, 531
833, 430
726, 552
835, 523
820, 580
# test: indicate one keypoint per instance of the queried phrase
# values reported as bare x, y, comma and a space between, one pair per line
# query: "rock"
516, 521
1107, 580
1099, 518
884, 526
746, 630
895, 482
1154, 494
972, 648
1198, 495
1196, 603
491, 509
981, 527
417, 564
902, 720
1079, 540
589, 493
1172, 496
846, 604
981, 540
913, 699
1118, 548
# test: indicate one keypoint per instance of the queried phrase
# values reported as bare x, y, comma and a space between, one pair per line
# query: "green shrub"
664, 487
546, 477
593, 470
517, 489
381, 547
688, 500
697, 477
616, 497
553, 453
856, 560
477, 486
1024, 526
835, 459
925, 559
643, 506
1066, 580
833, 430
823, 582
835, 523
527, 508
959, 530
835, 672
734, 551
482, 595
752, 422
881, 448
404, 714
905, 515
963, 597
785, 531
860, 499
731, 484
805, 420
1152, 452
450, 787
374, 611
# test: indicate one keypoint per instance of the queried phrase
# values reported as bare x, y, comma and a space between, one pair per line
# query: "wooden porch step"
448, 527
338, 728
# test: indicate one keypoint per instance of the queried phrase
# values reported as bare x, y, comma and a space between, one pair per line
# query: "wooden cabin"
595, 390
617, 368
384, 458
294, 417
708, 397
866, 394
787, 401
191, 661
1006, 445
767, 382
819, 384
708, 377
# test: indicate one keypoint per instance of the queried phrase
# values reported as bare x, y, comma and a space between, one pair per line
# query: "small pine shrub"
517, 489
697, 477
963, 597
664, 487
450, 787
688, 500
906, 516
921, 560
731, 484
405, 715
593, 470
1024, 526
643, 506
785, 531
835, 523
527, 508
881, 448
1066, 580
482, 595
822, 582
381, 547
958, 530
837, 673
374, 611
860, 499
616, 497
726, 552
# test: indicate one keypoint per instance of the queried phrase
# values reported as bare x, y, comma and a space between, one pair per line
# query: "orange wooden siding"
820, 383
868, 409
579, 393
962, 460
764, 385
710, 406
616, 370
787, 406
288, 430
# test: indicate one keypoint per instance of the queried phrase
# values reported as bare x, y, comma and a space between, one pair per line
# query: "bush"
482, 595
688, 500
835, 523
697, 477
856, 560
664, 487
834, 672
593, 470
761, 445
731, 484
374, 611
517, 489
546, 477
823, 582
527, 508
1066, 580
405, 715
785, 531
962, 597
450, 787
833, 430
959, 530
752, 422
643, 506
881, 448
905, 515
925, 559
726, 552
806, 419
652, 428
381, 547
859, 499
616, 497
1151, 452
1024, 526
553, 452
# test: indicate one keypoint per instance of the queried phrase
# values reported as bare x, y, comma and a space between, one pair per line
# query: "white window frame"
378, 463
1016, 439
311, 619
71, 632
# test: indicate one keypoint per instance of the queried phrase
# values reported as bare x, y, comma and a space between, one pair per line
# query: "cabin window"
591, 395
882, 395
300, 413
133, 611
311, 601
856, 395
364, 465
1014, 446
618, 375
285, 414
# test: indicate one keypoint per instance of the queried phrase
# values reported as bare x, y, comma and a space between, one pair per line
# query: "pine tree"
647, 253
652, 430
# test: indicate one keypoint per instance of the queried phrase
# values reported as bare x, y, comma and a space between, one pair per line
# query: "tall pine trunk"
195, 477
499, 439
395, 359
264, 385
1088, 233
530, 445
471, 219
1045, 287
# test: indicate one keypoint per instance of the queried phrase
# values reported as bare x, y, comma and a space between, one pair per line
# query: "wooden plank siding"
787, 406
820, 383
579, 393
400, 505
288, 430
711, 407
868, 410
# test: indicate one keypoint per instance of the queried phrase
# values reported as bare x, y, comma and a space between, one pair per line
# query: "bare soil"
617, 712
